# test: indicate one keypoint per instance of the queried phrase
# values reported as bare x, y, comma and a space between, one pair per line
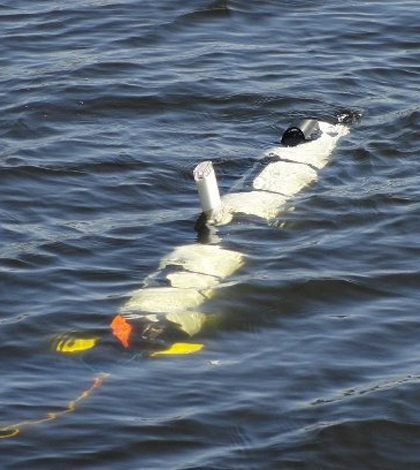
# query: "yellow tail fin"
71, 344
180, 348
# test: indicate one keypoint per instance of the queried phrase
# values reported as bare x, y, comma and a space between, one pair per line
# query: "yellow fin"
75, 345
180, 348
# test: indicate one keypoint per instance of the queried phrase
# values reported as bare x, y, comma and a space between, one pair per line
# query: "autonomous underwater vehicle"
164, 315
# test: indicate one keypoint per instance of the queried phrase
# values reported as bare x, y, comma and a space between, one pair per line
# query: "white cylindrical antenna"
208, 191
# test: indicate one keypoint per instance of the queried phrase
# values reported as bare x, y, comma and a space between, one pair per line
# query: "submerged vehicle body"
162, 316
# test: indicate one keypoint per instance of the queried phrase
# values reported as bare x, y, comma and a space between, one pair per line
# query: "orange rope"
14, 429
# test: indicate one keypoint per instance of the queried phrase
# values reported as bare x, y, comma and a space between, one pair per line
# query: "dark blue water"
105, 108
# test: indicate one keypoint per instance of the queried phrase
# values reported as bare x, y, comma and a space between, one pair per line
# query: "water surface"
106, 106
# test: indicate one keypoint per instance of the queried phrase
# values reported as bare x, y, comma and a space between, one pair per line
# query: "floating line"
13, 430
